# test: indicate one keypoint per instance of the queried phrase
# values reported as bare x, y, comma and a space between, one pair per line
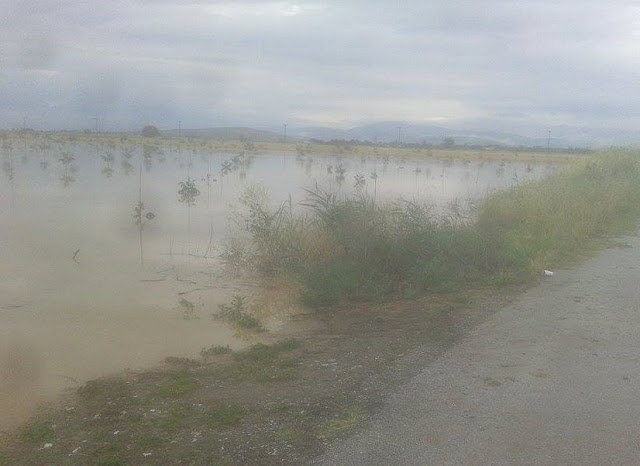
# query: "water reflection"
108, 158
141, 218
68, 168
126, 155
7, 166
148, 152
188, 193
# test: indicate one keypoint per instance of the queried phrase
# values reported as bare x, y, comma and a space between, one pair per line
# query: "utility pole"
96, 120
549, 142
285, 132
179, 128
399, 127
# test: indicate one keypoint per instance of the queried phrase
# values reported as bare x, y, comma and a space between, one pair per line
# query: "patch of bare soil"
279, 402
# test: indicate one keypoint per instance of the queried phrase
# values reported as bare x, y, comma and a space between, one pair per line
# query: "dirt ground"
280, 402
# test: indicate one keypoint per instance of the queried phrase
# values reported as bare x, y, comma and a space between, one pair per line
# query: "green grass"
286, 435
175, 419
38, 432
148, 442
110, 460
544, 224
348, 421
346, 249
263, 363
225, 416
180, 384
262, 352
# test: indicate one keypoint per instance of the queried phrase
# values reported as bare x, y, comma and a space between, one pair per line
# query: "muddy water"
85, 292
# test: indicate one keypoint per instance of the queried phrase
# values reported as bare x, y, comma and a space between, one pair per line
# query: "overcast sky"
509, 65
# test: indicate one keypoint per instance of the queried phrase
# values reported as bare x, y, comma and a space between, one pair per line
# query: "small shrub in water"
234, 310
248, 322
236, 313
188, 309
188, 191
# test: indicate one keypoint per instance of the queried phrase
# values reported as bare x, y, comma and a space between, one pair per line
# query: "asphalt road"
552, 379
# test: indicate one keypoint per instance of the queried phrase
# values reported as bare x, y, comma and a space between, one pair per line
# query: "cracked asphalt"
551, 379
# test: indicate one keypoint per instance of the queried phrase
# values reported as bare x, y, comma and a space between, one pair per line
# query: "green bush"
354, 249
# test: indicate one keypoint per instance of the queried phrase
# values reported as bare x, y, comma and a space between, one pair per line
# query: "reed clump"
356, 249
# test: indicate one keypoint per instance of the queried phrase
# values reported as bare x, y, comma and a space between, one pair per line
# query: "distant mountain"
411, 133
228, 134
316, 132
561, 137
408, 133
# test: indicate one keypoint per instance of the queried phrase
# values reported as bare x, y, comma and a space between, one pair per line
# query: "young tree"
150, 131
449, 142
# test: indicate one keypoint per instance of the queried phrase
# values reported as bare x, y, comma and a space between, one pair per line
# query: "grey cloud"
36, 51
98, 92
256, 62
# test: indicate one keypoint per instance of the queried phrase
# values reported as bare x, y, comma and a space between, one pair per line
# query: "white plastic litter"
547, 273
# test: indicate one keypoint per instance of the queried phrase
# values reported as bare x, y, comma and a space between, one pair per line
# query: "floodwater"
89, 288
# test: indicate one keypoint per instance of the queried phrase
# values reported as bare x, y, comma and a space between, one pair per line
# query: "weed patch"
179, 385
262, 352
547, 223
224, 416
111, 460
348, 421
175, 419
38, 432
263, 363
350, 249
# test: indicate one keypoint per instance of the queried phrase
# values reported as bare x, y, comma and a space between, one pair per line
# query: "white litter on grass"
75, 450
547, 273
47, 445
146, 454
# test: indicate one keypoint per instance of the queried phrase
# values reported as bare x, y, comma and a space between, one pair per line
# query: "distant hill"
228, 134
562, 137
408, 133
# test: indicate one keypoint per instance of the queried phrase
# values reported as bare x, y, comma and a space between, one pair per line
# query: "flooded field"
109, 251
